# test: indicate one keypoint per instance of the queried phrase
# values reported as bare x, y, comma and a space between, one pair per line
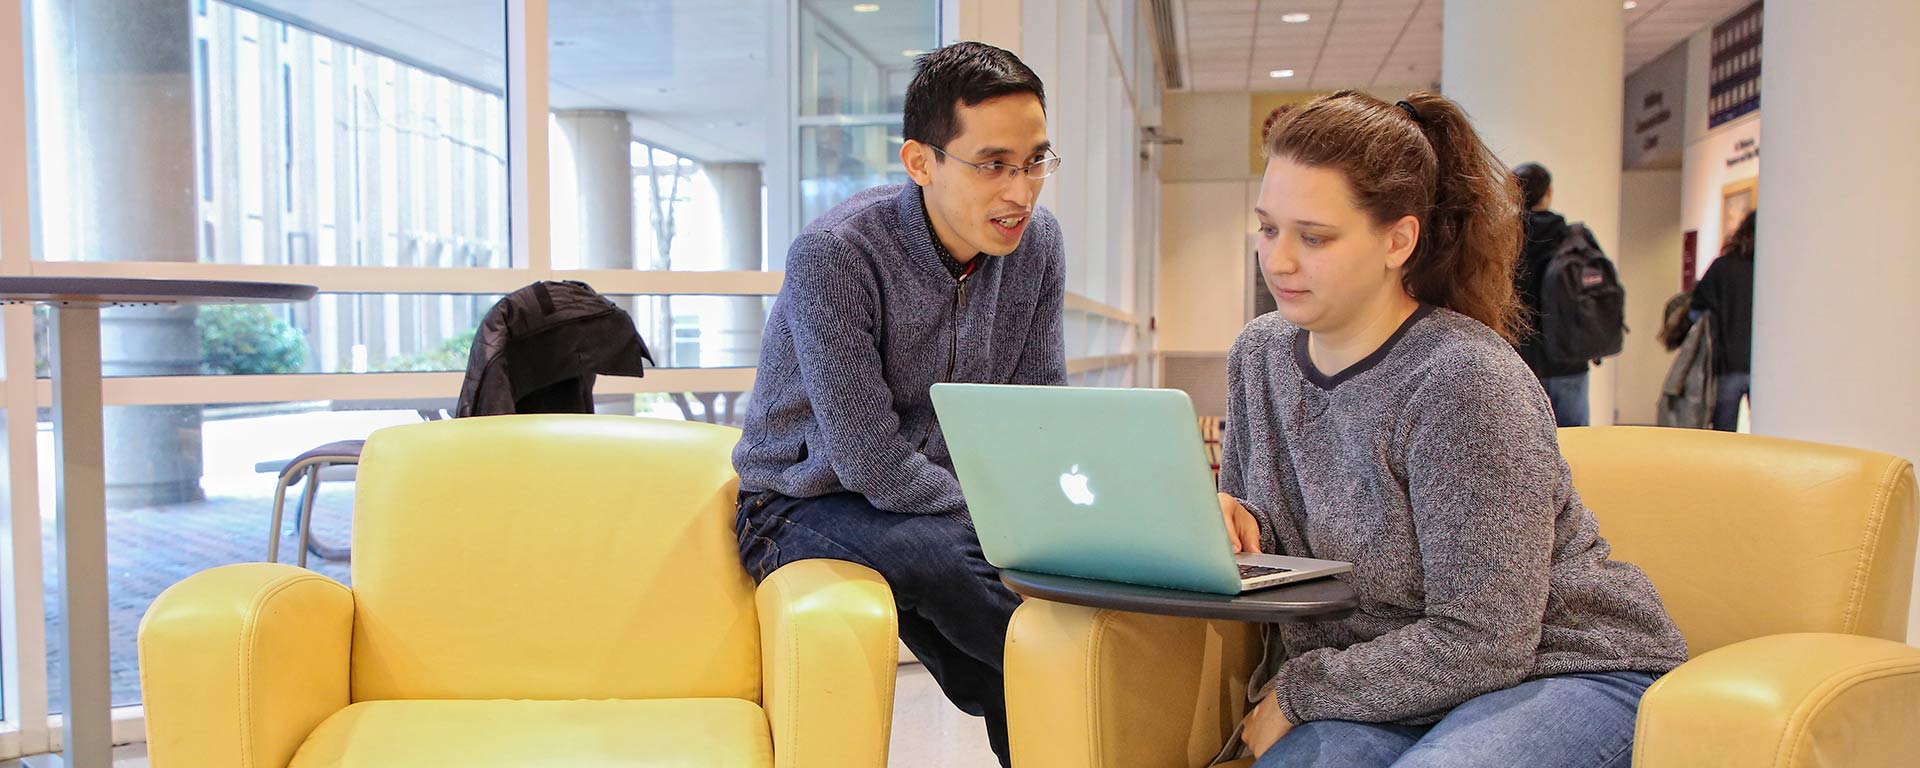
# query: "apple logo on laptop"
1074, 485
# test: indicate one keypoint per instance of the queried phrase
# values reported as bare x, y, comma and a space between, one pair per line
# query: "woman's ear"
1402, 237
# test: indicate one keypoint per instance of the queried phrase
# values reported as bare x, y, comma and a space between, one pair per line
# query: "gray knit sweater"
867, 321
1433, 466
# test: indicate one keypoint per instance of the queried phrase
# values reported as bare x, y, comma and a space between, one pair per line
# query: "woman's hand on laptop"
1242, 529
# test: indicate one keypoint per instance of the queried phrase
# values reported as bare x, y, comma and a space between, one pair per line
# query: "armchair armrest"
239, 664
1091, 688
829, 653
1798, 700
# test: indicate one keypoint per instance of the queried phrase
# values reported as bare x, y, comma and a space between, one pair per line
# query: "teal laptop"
1109, 484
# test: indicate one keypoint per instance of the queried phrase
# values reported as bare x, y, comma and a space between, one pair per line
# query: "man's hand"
1264, 725
1242, 530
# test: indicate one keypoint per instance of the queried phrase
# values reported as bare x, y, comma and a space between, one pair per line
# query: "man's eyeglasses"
996, 170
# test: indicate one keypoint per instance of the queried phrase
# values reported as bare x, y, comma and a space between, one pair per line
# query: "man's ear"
918, 159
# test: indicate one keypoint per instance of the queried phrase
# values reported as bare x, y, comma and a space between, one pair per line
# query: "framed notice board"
1735, 71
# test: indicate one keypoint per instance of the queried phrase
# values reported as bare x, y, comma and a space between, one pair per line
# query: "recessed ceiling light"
866, 7
1296, 18
1280, 73
910, 53
1629, 5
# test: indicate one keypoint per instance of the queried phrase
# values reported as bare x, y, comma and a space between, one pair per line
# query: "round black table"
80, 477
1325, 599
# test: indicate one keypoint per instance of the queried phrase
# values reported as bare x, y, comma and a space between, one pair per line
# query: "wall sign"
1656, 96
1744, 151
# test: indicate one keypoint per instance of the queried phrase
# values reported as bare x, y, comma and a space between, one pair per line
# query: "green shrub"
248, 339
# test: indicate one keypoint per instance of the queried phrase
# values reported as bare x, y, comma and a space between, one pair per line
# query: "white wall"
1214, 131
1206, 212
1203, 239
1649, 262
1837, 267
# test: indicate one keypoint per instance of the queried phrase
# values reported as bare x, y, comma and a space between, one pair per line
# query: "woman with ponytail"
1382, 417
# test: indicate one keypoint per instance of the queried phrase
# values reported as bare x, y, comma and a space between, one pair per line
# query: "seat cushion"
580, 734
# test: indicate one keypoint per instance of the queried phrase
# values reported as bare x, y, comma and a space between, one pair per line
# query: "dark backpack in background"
1583, 308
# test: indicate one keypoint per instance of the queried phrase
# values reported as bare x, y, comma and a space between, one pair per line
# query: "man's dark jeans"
953, 609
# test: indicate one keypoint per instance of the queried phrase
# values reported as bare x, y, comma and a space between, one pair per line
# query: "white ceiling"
695, 75
1232, 45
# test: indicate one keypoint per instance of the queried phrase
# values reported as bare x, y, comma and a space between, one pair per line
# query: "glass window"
386, 333
855, 60
215, 133
724, 408
197, 492
685, 331
331, 333
658, 135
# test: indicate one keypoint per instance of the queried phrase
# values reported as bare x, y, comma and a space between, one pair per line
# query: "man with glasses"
957, 276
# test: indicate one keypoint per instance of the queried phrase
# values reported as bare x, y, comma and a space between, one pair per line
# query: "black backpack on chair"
1583, 308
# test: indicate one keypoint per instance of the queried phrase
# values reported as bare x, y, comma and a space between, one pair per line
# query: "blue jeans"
953, 609
1569, 397
1726, 405
1565, 721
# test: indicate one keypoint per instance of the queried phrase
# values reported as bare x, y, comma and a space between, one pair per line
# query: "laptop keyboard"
1256, 571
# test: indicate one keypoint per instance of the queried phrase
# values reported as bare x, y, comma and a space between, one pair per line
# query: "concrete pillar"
1537, 93
1834, 309
125, 143
601, 141
737, 340
994, 22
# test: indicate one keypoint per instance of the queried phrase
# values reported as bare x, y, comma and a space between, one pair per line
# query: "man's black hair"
963, 73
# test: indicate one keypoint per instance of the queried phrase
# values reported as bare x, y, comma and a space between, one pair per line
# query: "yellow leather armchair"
1787, 565
527, 590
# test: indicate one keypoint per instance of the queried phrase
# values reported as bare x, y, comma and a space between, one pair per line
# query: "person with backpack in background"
1573, 305
1726, 292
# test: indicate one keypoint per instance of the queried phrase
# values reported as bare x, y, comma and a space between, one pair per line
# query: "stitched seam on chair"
1096, 635
1863, 564
790, 716
249, 628
1801, 719
1642, 724
244, 694
893, 653
140, 656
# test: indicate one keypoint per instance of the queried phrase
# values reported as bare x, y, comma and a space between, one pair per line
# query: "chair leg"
273, 529
306, 510
314, 544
